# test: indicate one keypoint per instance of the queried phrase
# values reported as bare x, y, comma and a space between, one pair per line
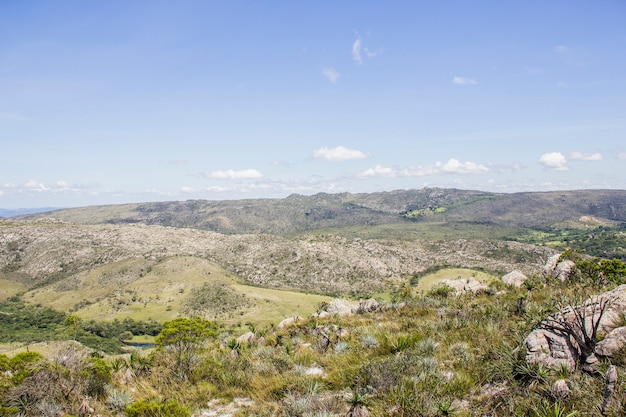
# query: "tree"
182, 340
73, 321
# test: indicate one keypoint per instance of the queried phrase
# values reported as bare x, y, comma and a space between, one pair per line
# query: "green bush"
152, 408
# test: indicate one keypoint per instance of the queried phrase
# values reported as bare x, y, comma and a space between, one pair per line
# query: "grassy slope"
10, 288
145, 289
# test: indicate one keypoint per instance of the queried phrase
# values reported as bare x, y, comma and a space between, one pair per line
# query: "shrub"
152, 408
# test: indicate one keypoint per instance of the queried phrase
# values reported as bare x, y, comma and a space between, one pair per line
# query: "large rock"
561, 270
552, 348
290, 321
612, 343
564, 270
341, 307
515, 278
550, 265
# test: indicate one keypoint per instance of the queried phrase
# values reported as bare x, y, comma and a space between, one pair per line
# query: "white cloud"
35, 186
380, 171
622, 155
453, 166
464, 81
586, 157
186, 190
331, 74
217, 189
244, 174
372, 54
356, 51
338, 154
554, 160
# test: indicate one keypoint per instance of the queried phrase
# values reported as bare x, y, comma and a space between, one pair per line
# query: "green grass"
10, 288
274, 305
144, 290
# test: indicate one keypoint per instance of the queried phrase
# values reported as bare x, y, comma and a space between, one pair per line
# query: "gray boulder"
463, 286
553, 348
564, 270
515, 278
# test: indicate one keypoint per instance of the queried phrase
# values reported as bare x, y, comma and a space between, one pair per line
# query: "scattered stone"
560, 390
515, 278
247, 337
462, 285
609, 388
288, 322
340, 307
314, 371
367, 306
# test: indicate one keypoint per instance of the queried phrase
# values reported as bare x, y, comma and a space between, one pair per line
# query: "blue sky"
129, 101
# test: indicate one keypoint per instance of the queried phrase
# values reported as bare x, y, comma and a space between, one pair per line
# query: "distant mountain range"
298, 213
153, 257
23, 211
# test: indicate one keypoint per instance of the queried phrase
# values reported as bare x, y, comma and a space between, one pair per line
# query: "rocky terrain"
36, 253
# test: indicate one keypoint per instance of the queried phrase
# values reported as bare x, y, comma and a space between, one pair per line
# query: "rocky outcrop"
557, 268
612, 343
564, 270
514, 278
553, 347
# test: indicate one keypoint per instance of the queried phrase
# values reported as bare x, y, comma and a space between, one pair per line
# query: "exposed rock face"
341, 307
564, 270
560, 270
612, 343
462, 285
515, 278
548, 268
553, 348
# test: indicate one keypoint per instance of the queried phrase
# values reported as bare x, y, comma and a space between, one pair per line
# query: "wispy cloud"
554, 160
622, 155
338, 154
231, 174
186, 190
464, 81
453, 166
331, 74
586, 157
34, 185
356, 51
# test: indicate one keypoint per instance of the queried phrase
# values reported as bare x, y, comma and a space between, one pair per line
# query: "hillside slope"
39, 253
298, 213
